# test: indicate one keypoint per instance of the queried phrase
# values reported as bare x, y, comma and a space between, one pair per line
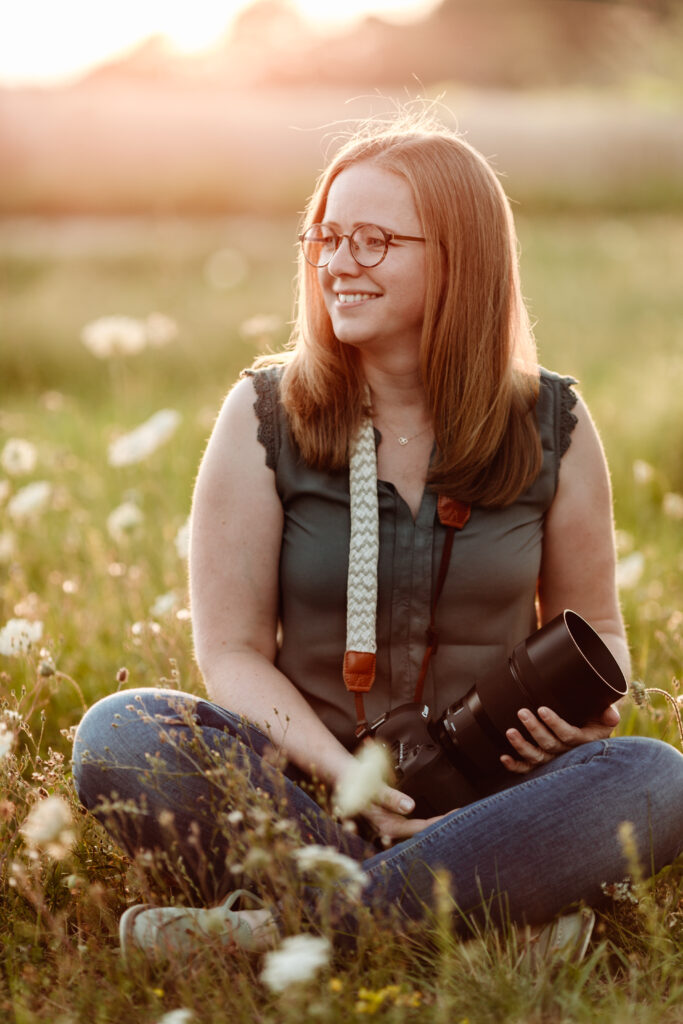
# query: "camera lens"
564, 665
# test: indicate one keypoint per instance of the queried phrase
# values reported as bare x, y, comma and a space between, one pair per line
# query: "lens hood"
564, 665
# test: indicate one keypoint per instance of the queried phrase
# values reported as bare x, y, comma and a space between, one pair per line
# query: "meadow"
97, 556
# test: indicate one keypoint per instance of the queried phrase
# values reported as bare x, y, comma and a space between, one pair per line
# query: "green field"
606, 294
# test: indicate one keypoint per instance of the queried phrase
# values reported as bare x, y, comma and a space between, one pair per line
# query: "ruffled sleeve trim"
267, 387
567, 420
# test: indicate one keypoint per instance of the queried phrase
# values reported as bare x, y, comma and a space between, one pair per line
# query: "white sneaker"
164, 932
565, 939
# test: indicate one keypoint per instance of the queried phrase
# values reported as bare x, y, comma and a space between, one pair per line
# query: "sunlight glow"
42, 41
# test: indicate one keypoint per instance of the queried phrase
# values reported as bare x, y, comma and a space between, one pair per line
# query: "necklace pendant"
403, 440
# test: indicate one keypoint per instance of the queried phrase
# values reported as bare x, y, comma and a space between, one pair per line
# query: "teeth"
357, 297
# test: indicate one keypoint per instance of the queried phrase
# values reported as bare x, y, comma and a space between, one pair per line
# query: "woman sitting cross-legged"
383, 513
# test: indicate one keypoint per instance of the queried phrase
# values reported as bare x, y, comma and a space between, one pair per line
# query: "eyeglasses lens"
367, 242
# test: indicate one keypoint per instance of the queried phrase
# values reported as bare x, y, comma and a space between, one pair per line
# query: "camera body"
455, 759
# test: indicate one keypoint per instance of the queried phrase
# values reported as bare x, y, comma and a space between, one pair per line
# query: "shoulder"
235, 439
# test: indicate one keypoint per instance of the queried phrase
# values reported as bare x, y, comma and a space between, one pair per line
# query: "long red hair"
477, 352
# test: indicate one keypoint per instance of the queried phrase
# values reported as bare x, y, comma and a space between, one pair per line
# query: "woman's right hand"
388, 815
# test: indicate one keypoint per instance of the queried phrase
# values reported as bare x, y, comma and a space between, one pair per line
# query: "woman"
412, 333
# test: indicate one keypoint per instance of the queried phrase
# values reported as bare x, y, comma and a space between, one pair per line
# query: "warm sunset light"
46, 42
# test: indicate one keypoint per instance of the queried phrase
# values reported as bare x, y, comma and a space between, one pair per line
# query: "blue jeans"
548, 840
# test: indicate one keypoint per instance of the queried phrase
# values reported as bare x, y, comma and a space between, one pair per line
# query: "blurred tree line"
484, 43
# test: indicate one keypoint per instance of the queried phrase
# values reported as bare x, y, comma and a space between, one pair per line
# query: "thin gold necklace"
403, 440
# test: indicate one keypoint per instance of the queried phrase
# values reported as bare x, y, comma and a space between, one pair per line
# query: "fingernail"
406, 804
543, 711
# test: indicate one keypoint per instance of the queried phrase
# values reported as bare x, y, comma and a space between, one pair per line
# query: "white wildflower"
182, 540
225, 268
620, 892
298, 959
17, 635
114, 336
164, 604
160, 329
629, 570
123, 520
363, 780
53, 401
672, 505
145, 439
328, 865
643, 472
18, 456
181, 1016
7, 739
261, 328
49, 827
624, 541
29, 501
8, 546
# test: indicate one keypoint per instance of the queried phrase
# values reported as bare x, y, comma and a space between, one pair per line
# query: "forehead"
366, 192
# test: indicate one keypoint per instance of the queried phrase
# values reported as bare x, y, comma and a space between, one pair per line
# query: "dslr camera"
448, 762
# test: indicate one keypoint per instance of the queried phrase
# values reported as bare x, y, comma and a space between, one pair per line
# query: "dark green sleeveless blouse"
487, 603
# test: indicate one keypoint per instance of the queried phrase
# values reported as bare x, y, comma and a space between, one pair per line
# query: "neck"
395, 388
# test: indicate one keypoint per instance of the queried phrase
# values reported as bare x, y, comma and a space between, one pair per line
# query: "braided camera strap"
360, 657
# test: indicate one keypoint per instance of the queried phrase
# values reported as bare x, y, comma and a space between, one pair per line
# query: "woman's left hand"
552, 736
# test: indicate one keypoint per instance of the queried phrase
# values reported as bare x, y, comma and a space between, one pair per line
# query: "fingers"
611, 716
395, 801
552, 735
391, 826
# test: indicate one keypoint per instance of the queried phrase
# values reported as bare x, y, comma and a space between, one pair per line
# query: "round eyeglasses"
368, 243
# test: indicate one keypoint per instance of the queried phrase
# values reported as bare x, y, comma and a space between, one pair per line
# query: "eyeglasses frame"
389, 236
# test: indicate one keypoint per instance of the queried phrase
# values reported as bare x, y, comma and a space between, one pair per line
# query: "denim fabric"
526, 852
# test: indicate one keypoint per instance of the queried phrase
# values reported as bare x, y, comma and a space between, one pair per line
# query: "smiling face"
379, 309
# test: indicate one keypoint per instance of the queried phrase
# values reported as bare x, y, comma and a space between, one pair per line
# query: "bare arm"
578, 572
235, 542
578, 567
234, 556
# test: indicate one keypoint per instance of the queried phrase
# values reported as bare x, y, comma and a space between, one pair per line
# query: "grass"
606, 294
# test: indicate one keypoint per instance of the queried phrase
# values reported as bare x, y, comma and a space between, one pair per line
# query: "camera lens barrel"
564, 665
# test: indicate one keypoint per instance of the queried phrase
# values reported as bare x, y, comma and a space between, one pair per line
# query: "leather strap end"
453, 512
359, 671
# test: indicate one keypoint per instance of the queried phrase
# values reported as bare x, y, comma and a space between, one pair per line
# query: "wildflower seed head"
7, 740
110, 336
363, 780
639, 692
124, 521
141, 442
29, 501
330, 867
18, 456
672, 505
48, 827
17, 636
46, 666
297, 960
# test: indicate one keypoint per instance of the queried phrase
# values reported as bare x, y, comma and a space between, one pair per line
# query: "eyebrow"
359, 224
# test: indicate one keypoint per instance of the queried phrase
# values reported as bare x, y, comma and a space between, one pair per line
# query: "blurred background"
154, 160
225, 107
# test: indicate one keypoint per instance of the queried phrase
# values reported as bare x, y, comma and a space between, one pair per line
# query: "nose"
342, 262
